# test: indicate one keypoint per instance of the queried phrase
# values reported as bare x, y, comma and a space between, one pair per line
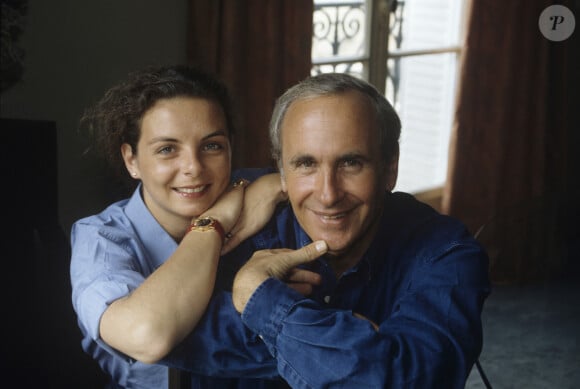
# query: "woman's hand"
260, 200
228, 207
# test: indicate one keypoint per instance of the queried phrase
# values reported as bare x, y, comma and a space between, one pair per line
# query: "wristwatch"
207, 223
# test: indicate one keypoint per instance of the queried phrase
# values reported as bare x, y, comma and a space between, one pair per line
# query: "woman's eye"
213, 147
166, 150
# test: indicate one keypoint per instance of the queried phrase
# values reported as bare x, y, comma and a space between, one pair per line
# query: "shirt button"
327, 299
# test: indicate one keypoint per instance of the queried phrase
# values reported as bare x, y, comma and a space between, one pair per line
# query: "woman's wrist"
207, 224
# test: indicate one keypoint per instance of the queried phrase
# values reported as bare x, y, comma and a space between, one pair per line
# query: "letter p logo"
556, 23
557, 20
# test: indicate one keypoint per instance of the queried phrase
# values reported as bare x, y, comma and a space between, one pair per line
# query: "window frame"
377, 53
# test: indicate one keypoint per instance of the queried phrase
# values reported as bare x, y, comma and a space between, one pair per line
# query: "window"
410, 51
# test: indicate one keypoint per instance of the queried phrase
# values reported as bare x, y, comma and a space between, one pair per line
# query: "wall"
74, 50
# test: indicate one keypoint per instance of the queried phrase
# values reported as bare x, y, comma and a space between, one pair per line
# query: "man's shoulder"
412, 229
251, 174
407, 203
407, 215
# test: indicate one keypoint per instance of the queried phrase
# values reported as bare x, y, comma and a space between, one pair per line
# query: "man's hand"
280, 264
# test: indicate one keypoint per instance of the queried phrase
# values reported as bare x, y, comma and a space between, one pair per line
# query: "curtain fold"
508, 161
259, 48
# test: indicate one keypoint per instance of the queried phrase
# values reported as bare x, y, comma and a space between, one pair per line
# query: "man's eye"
351, 163
305, 164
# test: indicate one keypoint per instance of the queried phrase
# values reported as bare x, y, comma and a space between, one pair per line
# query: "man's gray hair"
326, 84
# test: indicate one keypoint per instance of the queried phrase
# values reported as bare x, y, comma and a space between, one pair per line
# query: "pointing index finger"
308, 252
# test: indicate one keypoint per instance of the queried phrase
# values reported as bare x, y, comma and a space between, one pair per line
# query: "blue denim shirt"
423, 281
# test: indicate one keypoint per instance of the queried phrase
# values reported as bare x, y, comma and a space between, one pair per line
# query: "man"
400, 289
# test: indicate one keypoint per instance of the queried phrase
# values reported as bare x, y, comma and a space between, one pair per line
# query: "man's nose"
328, 187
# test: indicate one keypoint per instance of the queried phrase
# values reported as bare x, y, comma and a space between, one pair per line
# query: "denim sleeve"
222, 346
430, 339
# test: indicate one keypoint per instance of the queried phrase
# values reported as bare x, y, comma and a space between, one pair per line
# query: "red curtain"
259, 48
508, 167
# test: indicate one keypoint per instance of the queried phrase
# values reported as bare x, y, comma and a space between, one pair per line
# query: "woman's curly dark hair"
116, 118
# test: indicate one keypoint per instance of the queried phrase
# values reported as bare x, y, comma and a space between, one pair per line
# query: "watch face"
203, 222
207, 223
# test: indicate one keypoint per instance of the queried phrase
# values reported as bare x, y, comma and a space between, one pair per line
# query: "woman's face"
183, 159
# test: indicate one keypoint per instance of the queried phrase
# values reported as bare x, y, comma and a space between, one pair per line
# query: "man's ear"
129, 159
393, 171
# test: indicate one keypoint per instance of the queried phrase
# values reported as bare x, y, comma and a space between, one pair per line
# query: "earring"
134, 174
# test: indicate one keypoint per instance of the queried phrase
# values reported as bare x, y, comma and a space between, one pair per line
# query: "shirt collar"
157, 242
302, 239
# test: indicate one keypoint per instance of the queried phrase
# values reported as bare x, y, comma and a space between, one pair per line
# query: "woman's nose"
192, 164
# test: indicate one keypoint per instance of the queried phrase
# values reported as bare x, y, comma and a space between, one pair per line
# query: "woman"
143, 270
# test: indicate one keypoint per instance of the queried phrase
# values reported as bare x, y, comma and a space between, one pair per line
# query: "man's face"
332, 169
